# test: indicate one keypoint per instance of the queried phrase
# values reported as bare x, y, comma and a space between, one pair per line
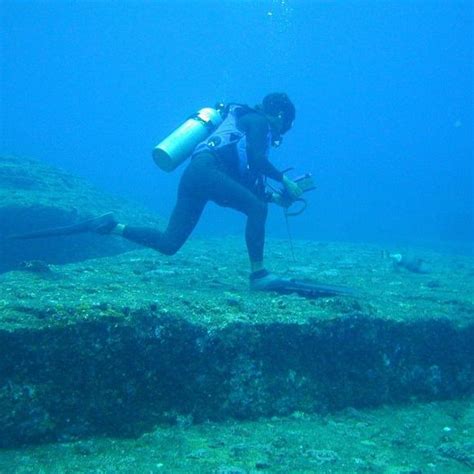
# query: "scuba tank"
179, 145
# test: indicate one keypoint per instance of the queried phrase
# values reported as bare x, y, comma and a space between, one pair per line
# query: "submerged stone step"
119, 344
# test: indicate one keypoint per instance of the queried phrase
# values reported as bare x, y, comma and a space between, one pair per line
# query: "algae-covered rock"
35, 196
119, 344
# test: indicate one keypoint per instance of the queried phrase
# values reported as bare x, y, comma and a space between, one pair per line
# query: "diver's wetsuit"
214, 176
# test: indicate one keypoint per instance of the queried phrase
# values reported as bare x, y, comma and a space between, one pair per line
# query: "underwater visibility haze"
354, 354
383, 96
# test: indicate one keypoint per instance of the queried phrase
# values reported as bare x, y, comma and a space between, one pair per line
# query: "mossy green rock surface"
120, 344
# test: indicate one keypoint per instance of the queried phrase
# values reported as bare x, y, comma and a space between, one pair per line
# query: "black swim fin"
101, 224
311, 289
307, 288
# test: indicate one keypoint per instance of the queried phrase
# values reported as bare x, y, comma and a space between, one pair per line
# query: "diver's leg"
182, 222
187, 211
227, 192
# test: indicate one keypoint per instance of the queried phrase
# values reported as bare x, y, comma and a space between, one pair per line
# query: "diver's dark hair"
278, 102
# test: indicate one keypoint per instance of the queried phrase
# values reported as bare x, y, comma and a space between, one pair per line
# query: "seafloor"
145, 363
414, 439
138, 362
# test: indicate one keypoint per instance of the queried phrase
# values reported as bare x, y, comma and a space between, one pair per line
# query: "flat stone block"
120, 344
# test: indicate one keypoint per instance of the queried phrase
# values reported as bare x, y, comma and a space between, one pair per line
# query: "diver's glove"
281, 199
292, 188
290, 193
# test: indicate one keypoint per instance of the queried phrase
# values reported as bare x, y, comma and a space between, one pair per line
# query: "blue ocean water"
383, 92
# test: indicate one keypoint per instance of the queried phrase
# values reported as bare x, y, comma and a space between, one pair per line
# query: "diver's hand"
277, 198
293, 189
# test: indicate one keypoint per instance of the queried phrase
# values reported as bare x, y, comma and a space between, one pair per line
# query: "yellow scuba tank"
179, 145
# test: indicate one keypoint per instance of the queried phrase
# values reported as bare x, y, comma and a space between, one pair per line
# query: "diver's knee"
170, 248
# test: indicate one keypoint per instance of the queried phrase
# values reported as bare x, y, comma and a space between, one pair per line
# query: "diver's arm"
256, 127
263, 166
266, 168
256, 131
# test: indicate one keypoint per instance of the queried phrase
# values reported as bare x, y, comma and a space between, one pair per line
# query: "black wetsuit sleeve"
256, 130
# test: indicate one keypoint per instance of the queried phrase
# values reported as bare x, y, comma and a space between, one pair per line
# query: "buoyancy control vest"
228, 134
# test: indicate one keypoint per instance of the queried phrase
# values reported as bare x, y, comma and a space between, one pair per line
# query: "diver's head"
280, 112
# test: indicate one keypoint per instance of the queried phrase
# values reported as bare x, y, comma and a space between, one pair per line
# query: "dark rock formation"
35, 196
122, 379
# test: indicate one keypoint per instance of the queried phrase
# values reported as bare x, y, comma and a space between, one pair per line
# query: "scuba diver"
229, 148
228, 168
